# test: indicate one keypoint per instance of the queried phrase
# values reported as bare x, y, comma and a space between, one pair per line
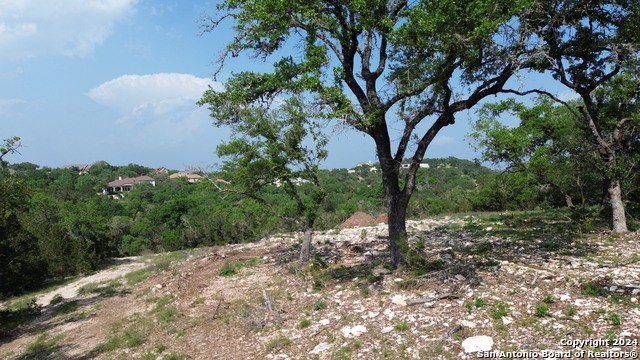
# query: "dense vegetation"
56, 223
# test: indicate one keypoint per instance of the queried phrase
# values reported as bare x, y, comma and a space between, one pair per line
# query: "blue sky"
117, 80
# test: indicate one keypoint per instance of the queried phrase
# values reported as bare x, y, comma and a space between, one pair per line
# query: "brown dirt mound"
382, 218
359, 218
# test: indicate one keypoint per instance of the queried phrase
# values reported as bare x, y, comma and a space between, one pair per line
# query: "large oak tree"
396, 70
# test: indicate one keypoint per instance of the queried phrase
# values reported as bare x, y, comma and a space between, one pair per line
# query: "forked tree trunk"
305, 250
618, 217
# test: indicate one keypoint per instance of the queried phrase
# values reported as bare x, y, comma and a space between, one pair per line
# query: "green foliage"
42, 347
615, 319
542, 309
277, 343
500, 310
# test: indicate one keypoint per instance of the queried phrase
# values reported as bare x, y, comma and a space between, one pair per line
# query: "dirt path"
121, 267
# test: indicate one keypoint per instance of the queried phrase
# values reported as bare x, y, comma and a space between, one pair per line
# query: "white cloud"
7, 105
161, 106
568, 96
30, 28
162, 92
442, 140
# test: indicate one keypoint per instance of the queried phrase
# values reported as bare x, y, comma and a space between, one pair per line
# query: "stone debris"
399, 300
320, 348
354, 331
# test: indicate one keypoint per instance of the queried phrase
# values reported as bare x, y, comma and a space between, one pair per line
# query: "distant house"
80, 168
191, 177
126, 184
161, 170
422, 165
361, 164
296, 181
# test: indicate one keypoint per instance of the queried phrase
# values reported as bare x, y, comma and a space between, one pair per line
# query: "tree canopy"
377, 66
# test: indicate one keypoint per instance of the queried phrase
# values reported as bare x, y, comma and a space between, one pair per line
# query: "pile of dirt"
382, 219
358, 219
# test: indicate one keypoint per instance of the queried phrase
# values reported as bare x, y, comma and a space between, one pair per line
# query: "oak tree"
398, 71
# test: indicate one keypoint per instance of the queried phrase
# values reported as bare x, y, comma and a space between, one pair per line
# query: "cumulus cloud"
161, 105
30, 28
7, 105
443, 140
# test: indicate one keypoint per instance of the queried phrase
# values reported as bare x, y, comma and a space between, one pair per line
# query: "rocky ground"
478, 284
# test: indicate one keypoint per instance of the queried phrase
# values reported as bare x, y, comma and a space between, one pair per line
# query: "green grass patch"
138, 276
105, 289
615, 319
16, 313
542, 309
166, 314
319, 305
277, 343
304, 323
42, 348
500, 310
230, 268
401, 326
66, 308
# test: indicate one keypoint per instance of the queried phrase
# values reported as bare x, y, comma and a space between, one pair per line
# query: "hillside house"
121, 184
191, 177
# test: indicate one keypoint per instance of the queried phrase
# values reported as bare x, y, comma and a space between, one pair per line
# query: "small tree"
10, 146
277, 148
550, 143
593, 49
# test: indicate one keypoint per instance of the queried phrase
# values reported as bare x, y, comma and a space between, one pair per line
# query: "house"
161, 170
295, 181
422, 165
361, 164
191, 177
126, 184
80, 168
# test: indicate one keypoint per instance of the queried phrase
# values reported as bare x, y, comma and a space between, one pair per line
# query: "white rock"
390, 314
358, 330
635, 292
468, 324
477, 343
324, 322
354, 331
613, 288
346, 331
399, 300
506, 320
387, 329
626, 334
320, 348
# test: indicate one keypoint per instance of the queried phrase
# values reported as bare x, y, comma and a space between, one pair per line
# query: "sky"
118, 80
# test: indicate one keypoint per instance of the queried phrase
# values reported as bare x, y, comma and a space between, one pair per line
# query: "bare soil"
528, 291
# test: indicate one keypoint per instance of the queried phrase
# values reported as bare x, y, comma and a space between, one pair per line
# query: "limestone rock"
477, 343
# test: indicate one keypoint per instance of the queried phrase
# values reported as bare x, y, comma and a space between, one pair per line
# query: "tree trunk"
396, 213
618, 217
396, 203
305, 250
568, 200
